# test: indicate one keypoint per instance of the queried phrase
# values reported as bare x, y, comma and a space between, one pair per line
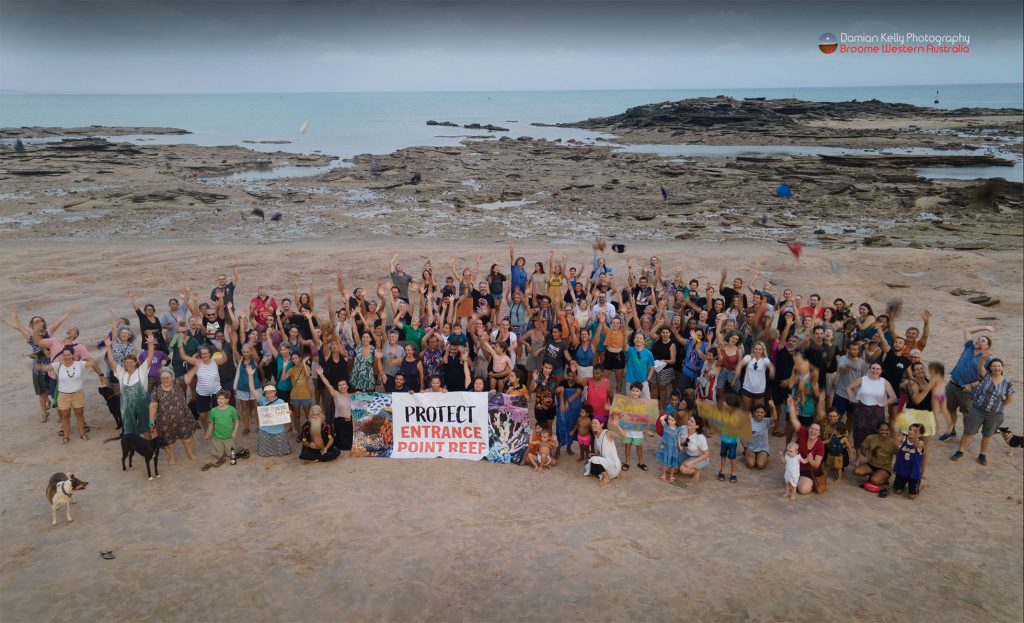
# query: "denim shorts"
728, 450
300, 403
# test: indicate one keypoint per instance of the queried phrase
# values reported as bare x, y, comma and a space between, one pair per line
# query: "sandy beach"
440, 540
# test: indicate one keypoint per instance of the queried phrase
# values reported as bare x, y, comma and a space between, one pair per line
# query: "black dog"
1014, 441
113, 402
147, 448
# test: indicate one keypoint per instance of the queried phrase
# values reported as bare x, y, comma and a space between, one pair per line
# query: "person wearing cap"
271, 440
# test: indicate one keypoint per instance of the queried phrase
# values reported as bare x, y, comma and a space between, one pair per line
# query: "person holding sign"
271, 440
635, 437
605, 464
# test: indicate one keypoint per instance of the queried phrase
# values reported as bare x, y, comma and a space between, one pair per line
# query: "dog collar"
61, 485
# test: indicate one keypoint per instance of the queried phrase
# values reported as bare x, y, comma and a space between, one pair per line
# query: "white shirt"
608, 309
130, 380
755, 380
69, 378
698, 445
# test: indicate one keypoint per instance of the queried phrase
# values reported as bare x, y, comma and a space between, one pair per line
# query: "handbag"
56, 385
820, 482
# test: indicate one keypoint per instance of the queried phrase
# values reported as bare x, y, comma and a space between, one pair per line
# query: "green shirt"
223, 421
414, 336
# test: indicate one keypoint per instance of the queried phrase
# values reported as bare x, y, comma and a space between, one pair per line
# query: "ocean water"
347, 124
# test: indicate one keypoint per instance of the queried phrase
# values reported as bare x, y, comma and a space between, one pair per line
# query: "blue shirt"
519, 278
276, 429
694, 363
638, 365
584, 358
966, 369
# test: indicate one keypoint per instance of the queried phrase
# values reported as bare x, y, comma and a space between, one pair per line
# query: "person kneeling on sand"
317, 438
605, 464
695, 446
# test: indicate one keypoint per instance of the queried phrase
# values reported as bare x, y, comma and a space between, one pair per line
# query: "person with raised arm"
965, 375
36, 335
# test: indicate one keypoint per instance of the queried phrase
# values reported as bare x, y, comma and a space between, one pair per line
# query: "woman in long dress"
363, 378
134, 382
169, 412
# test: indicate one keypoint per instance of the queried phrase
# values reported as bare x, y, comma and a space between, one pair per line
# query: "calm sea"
346, 124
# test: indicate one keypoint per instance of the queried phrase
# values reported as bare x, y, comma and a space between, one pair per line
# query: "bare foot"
785, 496
536, 469
580, 460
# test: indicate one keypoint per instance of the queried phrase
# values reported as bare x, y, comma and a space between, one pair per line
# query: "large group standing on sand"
839, 382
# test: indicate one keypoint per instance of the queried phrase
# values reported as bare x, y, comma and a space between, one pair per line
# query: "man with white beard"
317, 438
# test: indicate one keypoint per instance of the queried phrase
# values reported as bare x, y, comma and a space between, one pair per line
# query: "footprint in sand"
645, 552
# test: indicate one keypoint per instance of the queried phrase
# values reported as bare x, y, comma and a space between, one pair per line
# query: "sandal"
672, 479
721, 476
107, 555
663, 477
642, 466
625, 467
732, 478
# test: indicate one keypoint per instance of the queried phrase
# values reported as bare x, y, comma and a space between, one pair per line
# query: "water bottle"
233, 461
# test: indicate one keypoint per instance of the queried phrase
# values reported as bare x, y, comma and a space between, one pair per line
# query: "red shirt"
809, 311
597, 397
262, 309
818, 449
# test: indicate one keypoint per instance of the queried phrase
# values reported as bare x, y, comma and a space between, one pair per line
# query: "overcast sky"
246, 46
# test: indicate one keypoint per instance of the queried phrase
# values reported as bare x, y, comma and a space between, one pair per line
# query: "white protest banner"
272, 415
453, 425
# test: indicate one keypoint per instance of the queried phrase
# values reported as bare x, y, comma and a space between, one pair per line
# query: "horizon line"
585, 90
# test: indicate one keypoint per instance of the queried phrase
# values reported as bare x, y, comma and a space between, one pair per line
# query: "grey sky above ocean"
247, 46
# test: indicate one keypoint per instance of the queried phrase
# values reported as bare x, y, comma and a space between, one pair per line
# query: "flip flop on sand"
107, 555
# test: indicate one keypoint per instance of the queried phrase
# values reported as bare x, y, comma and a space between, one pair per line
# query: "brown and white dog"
62, 486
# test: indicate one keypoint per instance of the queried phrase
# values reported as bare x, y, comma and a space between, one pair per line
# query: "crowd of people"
839, 382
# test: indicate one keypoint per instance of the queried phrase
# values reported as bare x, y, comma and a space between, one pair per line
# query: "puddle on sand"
500, 205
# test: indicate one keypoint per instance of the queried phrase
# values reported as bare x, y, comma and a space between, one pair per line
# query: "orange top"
615, 339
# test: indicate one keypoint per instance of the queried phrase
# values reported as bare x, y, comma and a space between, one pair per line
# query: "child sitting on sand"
792, 476
543, 458
582, 432
671, 444
838, 448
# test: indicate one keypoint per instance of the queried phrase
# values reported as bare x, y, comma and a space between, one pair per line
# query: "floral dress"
362, 378
173, 419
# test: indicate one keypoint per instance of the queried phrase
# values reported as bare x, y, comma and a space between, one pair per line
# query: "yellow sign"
916, 416
635, 413
729, 422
